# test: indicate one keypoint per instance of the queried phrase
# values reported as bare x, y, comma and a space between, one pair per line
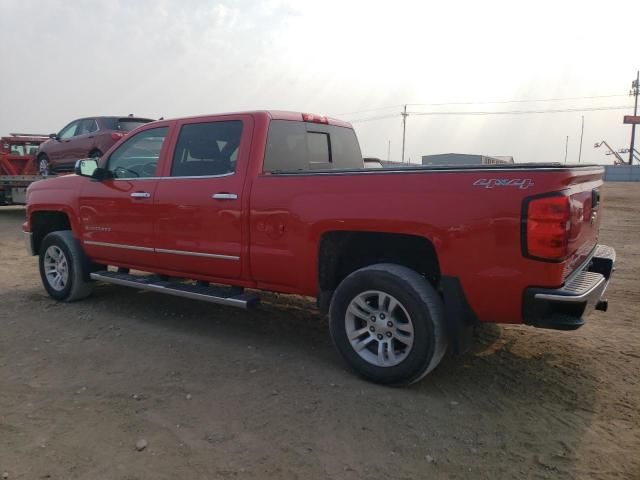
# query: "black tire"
44, 167
420, 305
95, 154
77, 284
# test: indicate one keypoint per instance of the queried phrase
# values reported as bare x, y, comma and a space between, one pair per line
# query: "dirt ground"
222, 393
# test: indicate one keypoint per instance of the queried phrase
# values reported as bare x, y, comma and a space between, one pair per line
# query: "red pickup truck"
405, 261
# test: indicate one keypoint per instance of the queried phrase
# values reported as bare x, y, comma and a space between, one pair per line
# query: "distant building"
390, 164
374, 162
464, 159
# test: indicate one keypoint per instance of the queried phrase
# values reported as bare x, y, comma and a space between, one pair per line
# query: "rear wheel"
95, 154
387, 321
64, 268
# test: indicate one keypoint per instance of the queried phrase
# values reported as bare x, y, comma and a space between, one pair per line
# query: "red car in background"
83, 138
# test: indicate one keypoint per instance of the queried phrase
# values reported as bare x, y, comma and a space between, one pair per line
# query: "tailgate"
585, 222
560, 224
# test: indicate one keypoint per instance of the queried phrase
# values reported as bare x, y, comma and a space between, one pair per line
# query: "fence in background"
622, 173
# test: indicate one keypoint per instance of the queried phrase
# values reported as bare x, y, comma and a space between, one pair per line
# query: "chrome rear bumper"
565, 308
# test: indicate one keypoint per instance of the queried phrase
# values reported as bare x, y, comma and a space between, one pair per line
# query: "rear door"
118, 214
200, 223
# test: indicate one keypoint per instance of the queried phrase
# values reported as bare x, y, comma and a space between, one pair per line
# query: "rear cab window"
294, 146
125, 124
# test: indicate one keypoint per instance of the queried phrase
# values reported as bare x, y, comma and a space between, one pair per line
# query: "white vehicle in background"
371, 162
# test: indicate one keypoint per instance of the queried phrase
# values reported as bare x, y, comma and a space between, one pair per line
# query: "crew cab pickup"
404, 261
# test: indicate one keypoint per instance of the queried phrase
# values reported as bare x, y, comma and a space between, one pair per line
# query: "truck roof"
278, 115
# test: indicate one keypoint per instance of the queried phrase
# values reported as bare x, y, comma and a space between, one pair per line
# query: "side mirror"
88, 167
85, 167
53, 136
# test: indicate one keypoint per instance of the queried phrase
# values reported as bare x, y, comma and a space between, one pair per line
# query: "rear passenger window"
302, 146
87, 126
207, 149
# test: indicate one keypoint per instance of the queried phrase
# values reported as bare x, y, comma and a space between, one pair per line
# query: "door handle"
140, 195
224, 196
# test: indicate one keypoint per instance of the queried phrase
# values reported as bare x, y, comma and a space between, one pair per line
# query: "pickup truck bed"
404, 260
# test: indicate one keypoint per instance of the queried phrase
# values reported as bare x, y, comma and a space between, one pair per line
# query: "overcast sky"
63, 59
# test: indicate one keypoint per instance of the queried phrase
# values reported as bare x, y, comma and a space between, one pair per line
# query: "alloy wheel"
56, 268
379, 328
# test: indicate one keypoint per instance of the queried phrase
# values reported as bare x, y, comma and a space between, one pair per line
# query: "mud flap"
459, 316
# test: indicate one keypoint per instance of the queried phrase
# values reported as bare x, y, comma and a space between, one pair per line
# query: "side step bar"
222, 295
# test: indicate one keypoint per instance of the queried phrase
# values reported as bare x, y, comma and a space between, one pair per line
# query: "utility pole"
581, 135
389, 152
404, 128
566, 149
635, 87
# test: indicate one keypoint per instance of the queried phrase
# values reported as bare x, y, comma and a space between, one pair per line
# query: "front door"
118, 214
58, 150
199, 199
83, 142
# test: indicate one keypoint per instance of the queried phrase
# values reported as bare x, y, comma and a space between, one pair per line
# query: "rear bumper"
565, 308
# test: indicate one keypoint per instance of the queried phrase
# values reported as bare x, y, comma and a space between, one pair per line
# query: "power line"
368, 111
504, 112
497, 102
523, 112
559, 99
369, 119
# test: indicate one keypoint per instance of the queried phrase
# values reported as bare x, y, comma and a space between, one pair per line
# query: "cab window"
17, 149
207, 149
138, 156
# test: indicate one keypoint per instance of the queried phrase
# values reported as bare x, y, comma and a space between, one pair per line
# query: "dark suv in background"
83, 138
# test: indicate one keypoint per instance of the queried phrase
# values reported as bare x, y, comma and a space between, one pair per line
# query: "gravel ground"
131, 385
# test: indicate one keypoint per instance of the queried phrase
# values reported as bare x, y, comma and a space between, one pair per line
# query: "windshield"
22, 149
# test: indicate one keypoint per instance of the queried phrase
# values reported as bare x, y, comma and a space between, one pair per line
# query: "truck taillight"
310, 117
546, 227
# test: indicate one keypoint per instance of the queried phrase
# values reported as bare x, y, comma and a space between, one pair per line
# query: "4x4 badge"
521, 183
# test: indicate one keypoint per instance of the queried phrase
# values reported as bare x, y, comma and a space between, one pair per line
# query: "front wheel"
64, 267
387, 321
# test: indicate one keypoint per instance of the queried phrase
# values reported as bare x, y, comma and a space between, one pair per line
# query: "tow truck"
17, 166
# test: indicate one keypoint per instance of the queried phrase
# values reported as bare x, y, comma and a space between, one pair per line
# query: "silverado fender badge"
522, 184
92, 228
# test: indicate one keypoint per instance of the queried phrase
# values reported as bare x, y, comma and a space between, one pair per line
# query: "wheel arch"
43, 222
343, 252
